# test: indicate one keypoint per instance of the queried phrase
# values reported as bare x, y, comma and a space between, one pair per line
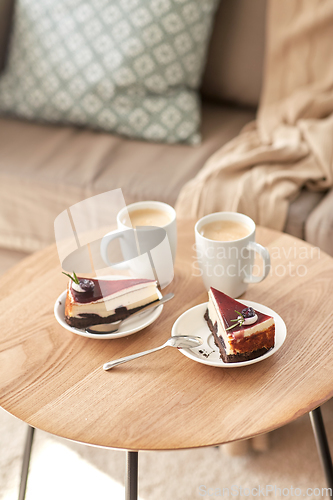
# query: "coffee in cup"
225, 230
147, 217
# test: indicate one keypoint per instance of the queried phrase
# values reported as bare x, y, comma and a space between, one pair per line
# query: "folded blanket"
290, 145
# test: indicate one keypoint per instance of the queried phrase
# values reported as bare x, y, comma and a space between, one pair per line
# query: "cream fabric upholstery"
45, 169
299, 211
289, 146
319, 225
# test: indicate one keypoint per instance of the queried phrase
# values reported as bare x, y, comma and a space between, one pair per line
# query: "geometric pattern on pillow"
132, 67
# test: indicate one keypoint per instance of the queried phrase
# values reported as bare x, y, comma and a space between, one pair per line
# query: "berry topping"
246, 317
248, 312
86, 285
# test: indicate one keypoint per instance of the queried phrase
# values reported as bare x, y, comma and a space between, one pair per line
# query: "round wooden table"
53, 379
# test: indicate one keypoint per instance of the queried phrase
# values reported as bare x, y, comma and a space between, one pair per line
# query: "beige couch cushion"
236, 52
299, 211
45, 169
319, 225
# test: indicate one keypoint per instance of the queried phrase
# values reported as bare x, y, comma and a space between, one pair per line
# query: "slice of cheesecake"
93, 301
241, 333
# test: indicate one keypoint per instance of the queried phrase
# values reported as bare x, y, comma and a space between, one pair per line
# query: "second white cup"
228, 265
149, 248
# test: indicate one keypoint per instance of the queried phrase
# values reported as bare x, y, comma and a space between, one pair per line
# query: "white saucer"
192, 322
130, 326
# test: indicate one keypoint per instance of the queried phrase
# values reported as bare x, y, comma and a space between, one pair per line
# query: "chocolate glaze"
104, 288
227, 307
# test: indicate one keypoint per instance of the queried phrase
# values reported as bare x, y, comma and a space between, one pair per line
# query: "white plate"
192, 322
131, 325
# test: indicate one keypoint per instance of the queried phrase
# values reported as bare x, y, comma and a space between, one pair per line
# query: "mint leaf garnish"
240, 320
75, 279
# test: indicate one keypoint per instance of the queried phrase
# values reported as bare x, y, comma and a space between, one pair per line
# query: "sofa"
46, 168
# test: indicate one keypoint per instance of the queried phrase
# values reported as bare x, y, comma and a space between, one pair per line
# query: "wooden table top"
53, 379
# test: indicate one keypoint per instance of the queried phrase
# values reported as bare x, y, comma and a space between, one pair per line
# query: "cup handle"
264, 254
106, 240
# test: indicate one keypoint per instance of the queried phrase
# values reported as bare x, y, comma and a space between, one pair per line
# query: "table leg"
131, 482
26, 461
322, 444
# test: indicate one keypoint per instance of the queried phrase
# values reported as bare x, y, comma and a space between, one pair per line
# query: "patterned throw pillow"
132, 67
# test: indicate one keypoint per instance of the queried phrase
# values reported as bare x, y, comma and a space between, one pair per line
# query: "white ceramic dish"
130, 326
192, 322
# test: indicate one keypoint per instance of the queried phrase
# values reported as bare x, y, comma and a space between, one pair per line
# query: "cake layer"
90, 319
250, 348
109, 301
226, 308
238, 341
129, 298
232, 339
104, 289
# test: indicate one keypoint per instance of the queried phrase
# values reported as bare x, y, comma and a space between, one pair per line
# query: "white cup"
148, 251
228, 265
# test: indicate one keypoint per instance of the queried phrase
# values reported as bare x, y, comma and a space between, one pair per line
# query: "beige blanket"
290, 145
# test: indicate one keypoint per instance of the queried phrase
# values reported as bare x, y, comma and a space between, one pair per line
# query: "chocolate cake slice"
94, 301
241, 333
